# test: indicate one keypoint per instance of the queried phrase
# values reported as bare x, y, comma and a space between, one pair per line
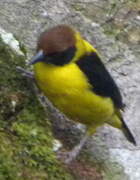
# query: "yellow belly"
69, 90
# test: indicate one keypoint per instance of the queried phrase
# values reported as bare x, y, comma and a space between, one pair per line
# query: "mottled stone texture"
26, 141
113, 27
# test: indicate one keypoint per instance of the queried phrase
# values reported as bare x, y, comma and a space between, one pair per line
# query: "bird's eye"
61, 58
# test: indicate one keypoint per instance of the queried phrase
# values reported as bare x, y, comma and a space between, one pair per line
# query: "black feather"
100, 79
128, 133
61, 58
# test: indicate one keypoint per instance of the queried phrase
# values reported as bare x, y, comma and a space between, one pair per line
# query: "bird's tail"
128, 133
118, 122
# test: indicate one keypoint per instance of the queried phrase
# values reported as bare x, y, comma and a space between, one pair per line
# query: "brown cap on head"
57, 39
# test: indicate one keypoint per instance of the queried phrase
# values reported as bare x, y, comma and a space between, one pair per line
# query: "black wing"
100, 79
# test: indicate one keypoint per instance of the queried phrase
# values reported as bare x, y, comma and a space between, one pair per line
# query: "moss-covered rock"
25, 132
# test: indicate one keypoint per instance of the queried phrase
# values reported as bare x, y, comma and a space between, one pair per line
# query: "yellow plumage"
68, 89
68, 70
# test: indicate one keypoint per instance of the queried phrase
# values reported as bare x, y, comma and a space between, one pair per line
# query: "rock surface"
26, 142
114, 28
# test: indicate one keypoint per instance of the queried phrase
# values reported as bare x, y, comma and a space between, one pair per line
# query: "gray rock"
113, 28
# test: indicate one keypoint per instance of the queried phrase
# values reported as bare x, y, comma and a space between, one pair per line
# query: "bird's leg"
76, 150
25, 72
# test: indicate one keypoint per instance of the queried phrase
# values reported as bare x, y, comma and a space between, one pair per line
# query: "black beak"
40, 56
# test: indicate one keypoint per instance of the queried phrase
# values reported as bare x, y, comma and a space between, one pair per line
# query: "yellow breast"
68, 89
60, 80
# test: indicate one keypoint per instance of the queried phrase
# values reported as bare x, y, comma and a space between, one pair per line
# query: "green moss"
25, 132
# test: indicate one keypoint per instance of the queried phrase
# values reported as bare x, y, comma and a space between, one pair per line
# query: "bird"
69, 71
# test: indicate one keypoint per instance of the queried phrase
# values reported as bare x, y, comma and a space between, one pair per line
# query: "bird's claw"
68, 157
25, 73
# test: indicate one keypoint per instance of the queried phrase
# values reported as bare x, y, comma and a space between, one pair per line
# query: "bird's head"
59, 46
